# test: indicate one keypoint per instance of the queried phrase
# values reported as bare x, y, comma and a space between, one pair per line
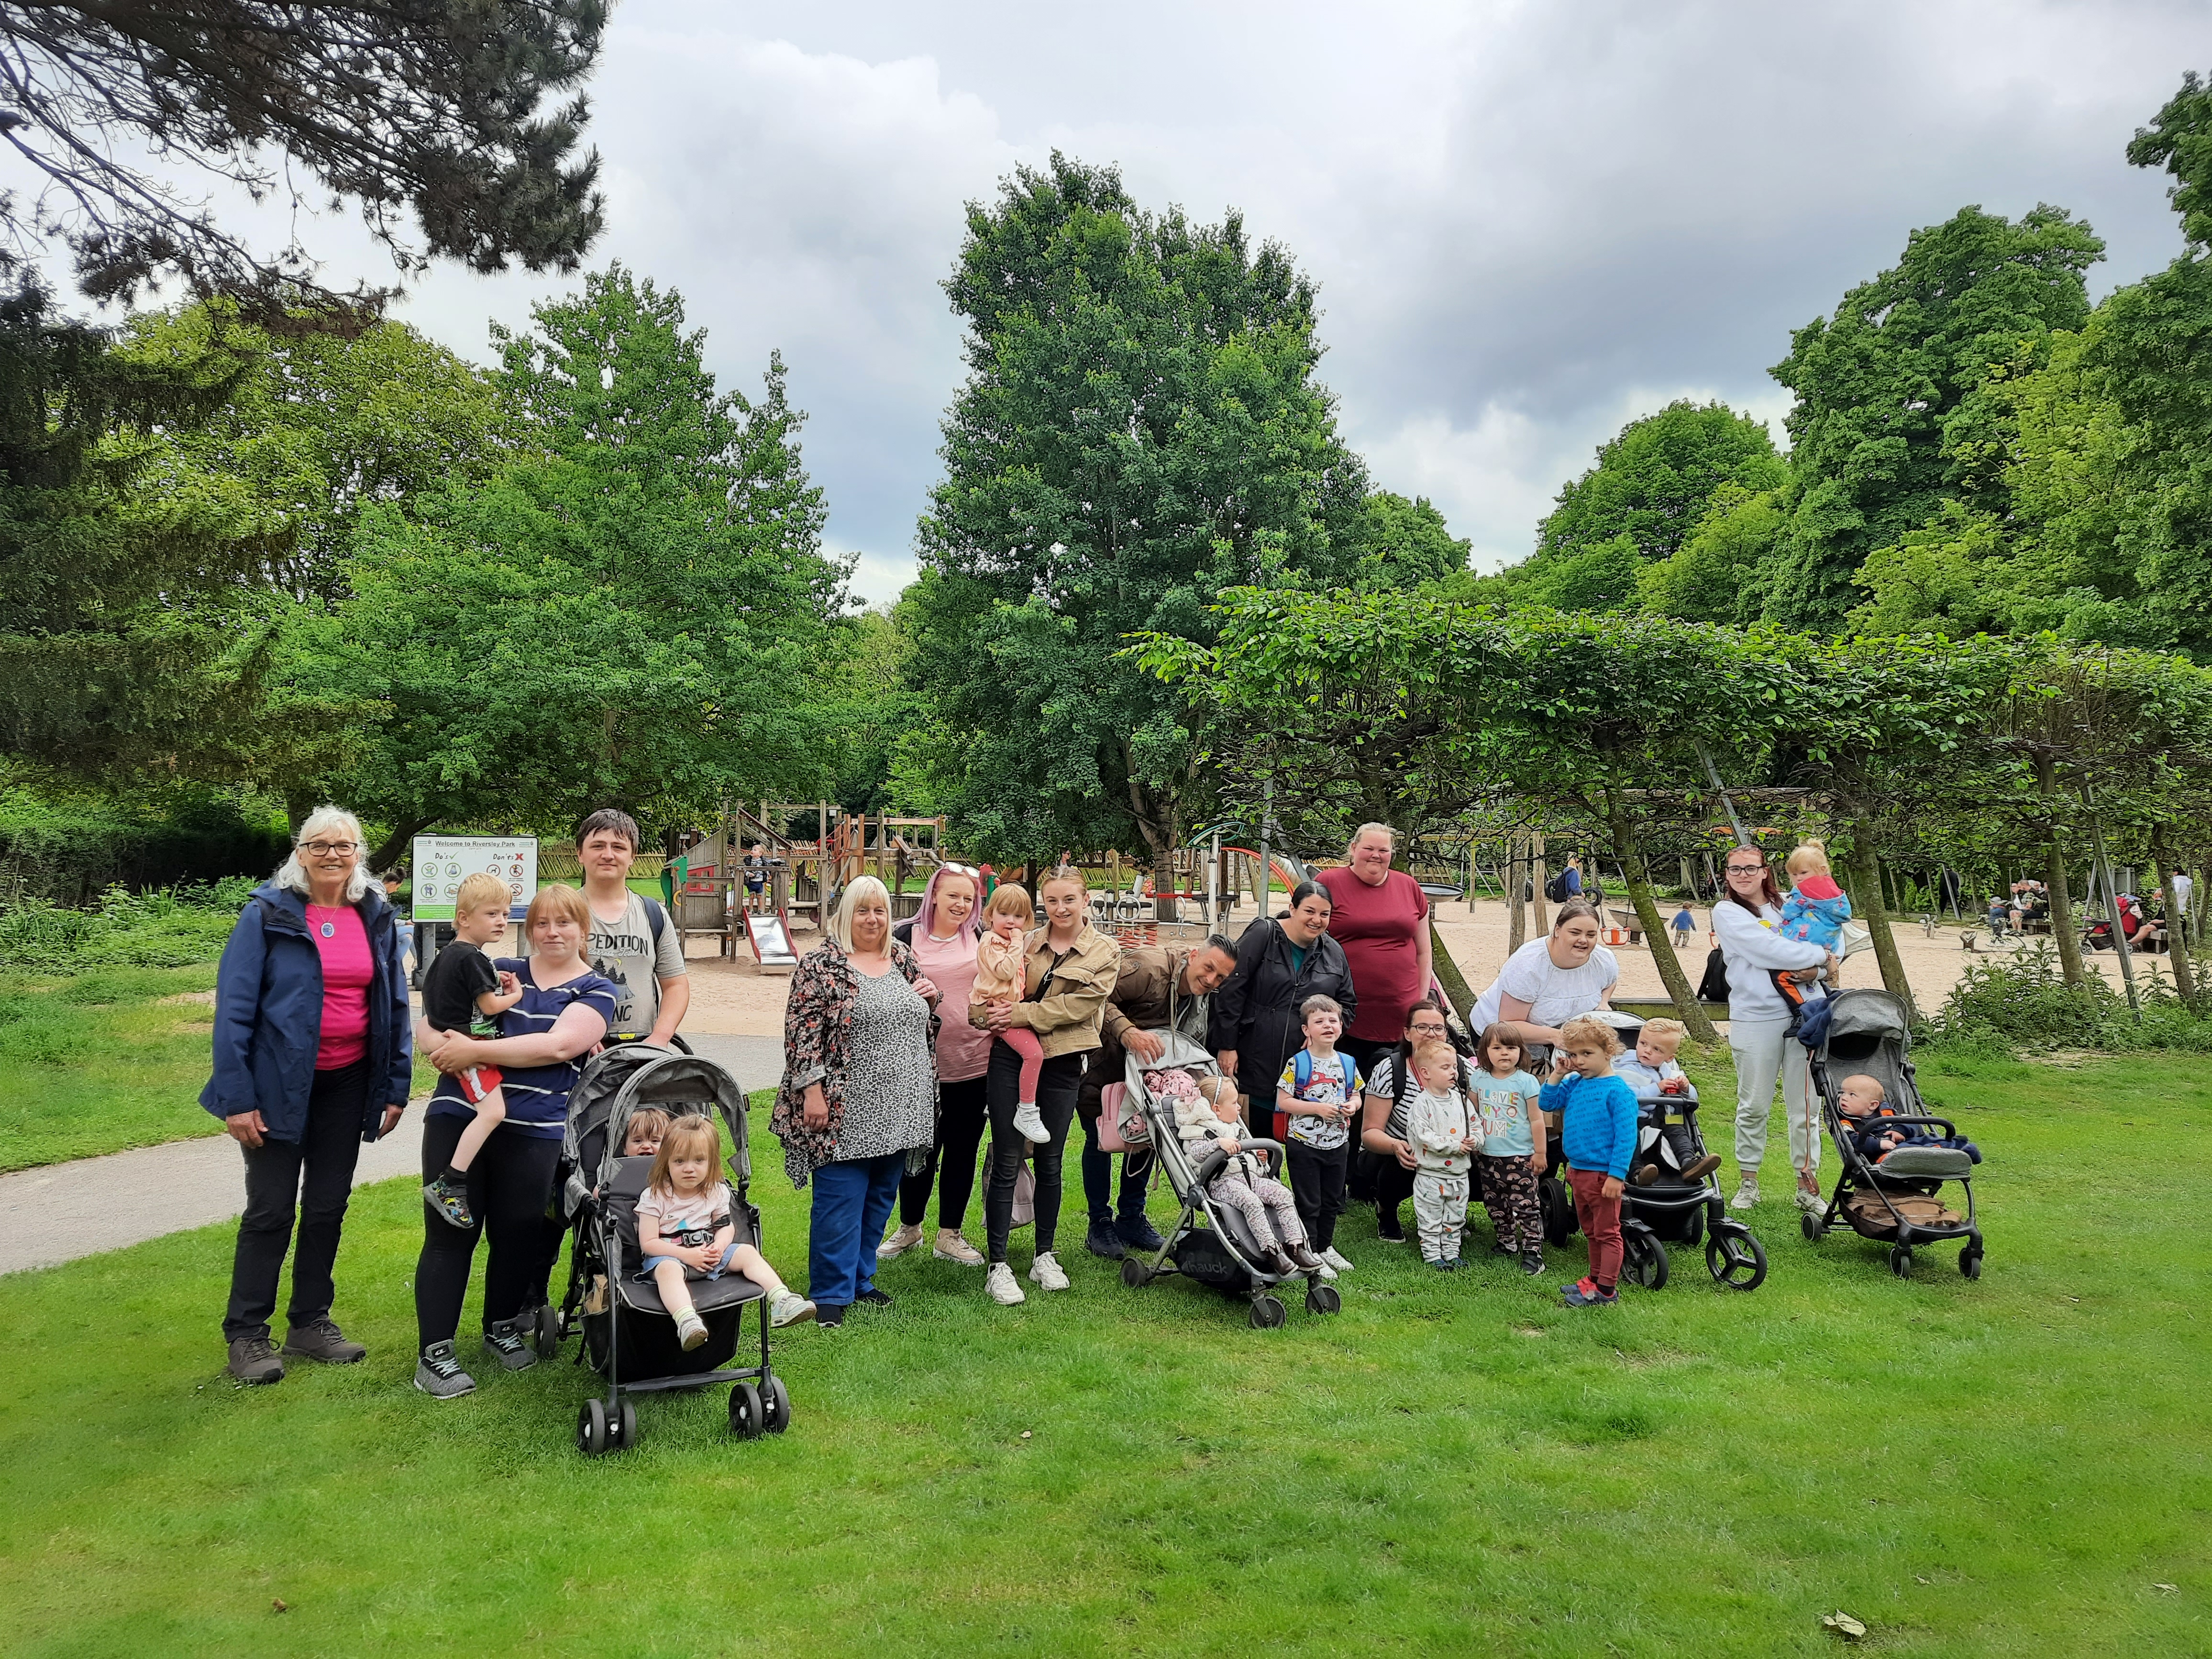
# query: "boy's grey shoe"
322, 1341
439, 1374
505, 1340
253, 1359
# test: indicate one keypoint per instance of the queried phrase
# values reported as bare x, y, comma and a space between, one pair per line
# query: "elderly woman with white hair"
313, 1056
858, 1104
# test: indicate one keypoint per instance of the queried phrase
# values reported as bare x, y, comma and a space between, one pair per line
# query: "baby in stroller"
1654, 1077
1863, 1104
686, 1229
1205, 1116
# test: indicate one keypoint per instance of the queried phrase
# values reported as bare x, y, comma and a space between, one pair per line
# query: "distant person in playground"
1996, 916
633, 942
1684, 922
687, 1229
312, 1058
755, 877
462, 987
1816, 909
999, 964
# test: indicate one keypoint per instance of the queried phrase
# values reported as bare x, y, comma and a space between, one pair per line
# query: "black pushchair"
1222, 1253
628, 1336
1668, 1210
1898, 1201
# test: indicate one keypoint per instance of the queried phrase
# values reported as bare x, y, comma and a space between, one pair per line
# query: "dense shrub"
167, 928
2023, 1002
68, 849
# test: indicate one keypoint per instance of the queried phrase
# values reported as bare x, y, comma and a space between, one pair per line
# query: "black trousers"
1056, 1087
510, 1184
313, 1177
1360, 1173
962, 1109
1317, 1187
1394, 1185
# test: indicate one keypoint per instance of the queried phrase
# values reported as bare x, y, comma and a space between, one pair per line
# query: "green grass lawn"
104, 1061
1455, 1464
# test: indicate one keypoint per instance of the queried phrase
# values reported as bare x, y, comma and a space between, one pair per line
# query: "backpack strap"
1301, 1072
657, 918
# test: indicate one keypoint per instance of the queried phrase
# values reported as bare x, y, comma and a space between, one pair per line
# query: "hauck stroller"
1208, 1242
1898, 1201
628, 1336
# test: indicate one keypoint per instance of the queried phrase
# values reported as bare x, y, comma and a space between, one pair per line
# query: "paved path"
46, 1214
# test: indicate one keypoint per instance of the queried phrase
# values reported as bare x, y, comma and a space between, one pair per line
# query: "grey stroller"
1208, 1242
628, 1336
1898, 1201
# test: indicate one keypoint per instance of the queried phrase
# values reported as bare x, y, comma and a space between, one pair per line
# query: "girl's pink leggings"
1024, 1042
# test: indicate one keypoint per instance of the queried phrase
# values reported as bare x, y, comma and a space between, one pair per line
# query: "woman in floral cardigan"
859, 1099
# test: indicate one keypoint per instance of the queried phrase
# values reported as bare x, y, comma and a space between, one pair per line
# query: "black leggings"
962, 1112
1056, 1086
329, 1144
510, 1184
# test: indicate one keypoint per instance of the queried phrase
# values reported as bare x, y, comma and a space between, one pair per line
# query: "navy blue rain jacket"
269, 1015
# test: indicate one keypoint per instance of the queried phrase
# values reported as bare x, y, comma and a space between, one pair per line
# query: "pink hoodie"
963, 1052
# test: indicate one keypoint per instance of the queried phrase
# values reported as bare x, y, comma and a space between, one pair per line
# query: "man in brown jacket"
1159, 988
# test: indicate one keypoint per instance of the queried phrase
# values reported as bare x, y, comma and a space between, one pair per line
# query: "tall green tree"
1141, 427
1651, 487
634, 608
1892, 416
435, 109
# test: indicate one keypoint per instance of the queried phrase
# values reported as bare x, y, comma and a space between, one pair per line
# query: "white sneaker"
898, 1243
1811, 1203
1746, 1195
999, 1285
1046, 1272
789, 1307
690, 1330
951, 1247
1336, 1262
1028, 1123
1325, 1272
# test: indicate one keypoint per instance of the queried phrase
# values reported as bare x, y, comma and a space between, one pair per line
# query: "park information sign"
440, 862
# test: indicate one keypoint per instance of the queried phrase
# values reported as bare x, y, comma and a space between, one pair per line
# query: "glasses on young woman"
326, 849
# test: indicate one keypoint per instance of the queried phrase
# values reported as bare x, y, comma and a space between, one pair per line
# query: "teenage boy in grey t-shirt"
648, 972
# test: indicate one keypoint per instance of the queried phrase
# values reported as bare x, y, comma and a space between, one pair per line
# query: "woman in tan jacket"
1068, 971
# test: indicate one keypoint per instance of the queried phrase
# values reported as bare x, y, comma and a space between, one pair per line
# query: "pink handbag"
1121, 1130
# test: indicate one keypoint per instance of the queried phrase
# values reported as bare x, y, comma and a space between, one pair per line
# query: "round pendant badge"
330, 930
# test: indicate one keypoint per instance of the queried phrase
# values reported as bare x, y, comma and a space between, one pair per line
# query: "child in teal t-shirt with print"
1512, 1142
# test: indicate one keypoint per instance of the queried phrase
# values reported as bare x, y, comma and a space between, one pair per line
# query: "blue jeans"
851, 1201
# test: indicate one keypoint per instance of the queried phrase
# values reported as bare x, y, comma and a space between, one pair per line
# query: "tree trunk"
1655, 936
1517, 909
1867, 878
1449, 976
1163, 884
1537, 877
2062, 930
395, 844
2177, 946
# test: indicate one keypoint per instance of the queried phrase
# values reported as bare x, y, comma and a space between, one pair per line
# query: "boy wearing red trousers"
1597, 1133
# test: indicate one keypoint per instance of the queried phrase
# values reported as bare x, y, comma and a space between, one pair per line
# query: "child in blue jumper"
1597, 1131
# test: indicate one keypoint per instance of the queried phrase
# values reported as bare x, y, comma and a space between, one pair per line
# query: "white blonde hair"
841, 919
1366, 829
292, 876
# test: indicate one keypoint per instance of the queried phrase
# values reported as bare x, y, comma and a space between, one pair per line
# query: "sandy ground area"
736, 998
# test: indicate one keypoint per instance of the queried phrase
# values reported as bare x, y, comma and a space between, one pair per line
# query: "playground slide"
770, 936
1286, 874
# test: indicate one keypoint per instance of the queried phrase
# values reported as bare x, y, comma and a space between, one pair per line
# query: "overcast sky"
1529, 222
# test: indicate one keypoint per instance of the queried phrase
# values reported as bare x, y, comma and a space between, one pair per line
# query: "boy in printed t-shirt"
461, 988
1317, 1093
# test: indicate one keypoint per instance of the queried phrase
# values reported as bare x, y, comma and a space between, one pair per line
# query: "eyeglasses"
1744, 869
328, 849
1430, 1030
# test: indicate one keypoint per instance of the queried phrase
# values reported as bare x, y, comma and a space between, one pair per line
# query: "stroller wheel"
1557, 1210
775, 1401
624, 1429
1134, 1273
1267, 1313
1735, 1260
1323, 1299
1645, 1259
747, 1418
1970, 1261
592, 1428
1811, 1224
1900, 1261
546, 1337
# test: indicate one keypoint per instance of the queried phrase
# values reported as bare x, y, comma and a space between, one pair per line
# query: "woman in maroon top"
1382, 920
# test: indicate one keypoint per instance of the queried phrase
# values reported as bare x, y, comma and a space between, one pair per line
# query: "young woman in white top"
1549, 981
1744, 921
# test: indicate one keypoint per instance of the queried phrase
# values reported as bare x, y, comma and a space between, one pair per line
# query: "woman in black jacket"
1256, 1028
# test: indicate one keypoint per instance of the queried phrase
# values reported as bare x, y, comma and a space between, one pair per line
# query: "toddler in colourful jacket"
1597, 1133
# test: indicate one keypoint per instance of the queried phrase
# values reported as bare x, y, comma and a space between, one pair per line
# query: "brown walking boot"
253, 1361
322, 1341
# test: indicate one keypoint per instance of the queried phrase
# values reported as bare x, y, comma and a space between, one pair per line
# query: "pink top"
348, 968
1001, 968
963, 1052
